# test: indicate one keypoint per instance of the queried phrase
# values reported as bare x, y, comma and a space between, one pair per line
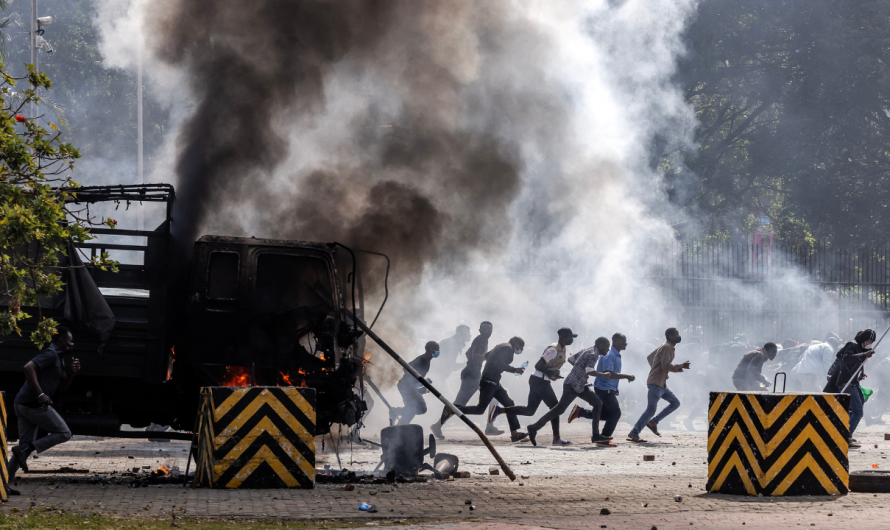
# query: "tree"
37, 219
792, 98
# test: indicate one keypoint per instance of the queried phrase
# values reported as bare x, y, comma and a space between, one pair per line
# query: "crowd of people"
818, 366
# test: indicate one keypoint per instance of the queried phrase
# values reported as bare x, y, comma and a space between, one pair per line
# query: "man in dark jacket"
539, 384
45, 374
747, 376
497, 361
412, 396
846, 372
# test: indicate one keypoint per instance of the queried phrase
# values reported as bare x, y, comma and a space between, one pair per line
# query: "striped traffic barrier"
778, 444
255, 437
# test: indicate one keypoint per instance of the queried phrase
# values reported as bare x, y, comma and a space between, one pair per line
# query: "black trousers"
611, 410
415, 405
539, 389
487, 391
568, 395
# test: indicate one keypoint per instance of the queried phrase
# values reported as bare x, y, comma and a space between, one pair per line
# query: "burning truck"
239, 311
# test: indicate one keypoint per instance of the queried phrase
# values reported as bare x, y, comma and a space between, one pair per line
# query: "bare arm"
31, 377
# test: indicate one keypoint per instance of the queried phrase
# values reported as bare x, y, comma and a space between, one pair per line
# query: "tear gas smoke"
497, 151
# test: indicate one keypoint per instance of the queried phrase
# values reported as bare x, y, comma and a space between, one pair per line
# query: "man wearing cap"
540, 386
575, 386
412, 396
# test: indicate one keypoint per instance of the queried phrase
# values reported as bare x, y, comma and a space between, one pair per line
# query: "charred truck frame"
251, 312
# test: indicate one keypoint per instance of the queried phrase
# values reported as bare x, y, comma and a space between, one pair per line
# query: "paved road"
564, 488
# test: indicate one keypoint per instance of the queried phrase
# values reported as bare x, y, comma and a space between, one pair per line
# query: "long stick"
862, 364
379, 393
432, 389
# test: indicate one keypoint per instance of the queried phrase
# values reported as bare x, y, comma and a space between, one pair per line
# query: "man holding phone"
660, 362
45, 374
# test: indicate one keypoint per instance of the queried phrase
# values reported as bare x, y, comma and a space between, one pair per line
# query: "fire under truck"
232, 311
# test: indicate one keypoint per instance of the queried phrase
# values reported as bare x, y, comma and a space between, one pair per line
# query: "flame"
170, 365
302, 384
162, 471
301, 371
286, 378
235, 376
367, 356
320, 356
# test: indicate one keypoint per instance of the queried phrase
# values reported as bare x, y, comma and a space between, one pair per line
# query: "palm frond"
17, 98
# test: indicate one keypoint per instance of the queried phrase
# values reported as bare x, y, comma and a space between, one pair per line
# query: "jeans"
489, 390
856, 403
568, 395
31, 419
539, 389
415, 405
656, 393
611, 410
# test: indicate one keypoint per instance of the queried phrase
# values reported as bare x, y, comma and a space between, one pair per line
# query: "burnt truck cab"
269, 312
233, 311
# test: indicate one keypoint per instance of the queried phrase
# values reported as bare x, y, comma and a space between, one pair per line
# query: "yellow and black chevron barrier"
255, 437
778, 444
4, 451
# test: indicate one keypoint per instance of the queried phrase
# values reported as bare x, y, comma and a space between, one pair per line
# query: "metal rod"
408, 368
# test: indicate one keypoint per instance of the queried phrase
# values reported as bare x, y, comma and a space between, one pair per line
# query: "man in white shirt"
812, 369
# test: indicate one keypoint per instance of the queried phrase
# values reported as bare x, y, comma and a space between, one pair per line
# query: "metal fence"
773, 291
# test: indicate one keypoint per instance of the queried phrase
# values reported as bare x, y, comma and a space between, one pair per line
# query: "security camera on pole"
37, 41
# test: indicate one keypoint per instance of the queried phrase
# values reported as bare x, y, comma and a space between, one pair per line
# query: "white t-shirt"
816, 360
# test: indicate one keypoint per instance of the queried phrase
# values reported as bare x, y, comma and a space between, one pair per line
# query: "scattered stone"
605, 511
372, 492
648, 458
494, 471
644, 504
689, 486
461, 474
673, 463
523, 476
472, 507
678, 498
349, 487
468, 501
830, 514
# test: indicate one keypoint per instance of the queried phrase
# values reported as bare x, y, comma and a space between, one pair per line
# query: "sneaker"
635, 438
532, 432
491, 430
493, 412
519, 437
575, 414
654, 428
21, 454
561, 442
436, 429
600, 439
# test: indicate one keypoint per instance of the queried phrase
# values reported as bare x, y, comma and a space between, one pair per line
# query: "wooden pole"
432, 389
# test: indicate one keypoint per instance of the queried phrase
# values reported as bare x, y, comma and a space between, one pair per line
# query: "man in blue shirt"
607, 389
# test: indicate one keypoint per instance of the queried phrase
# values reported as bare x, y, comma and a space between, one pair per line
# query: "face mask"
516, 351
435, 354
679, 339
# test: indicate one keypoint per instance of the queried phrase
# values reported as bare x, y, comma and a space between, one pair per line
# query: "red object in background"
19, 118
762, 255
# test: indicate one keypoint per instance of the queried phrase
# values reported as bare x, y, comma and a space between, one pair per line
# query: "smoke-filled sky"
497, 151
